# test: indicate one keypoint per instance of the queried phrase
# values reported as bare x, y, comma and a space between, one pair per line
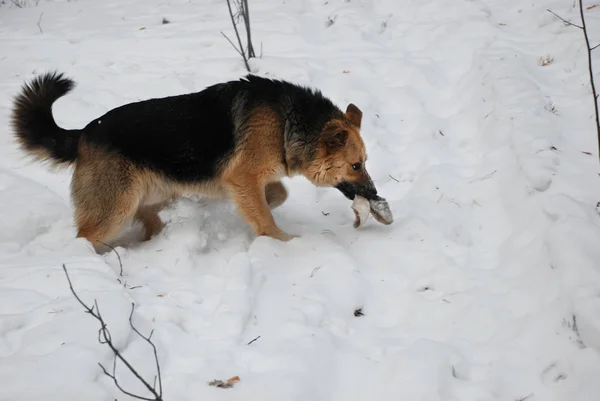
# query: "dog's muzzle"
364, 188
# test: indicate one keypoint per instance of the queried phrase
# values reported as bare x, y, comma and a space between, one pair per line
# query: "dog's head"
340, 157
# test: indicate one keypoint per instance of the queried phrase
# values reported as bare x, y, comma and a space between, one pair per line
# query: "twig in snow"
234, 46
104, 337
526, 397
567, 23
312, 274
244, 13
251, 341
485, 177
246, 17
590, 67
118, 257
358, 312
395, 179
330, 21
39, 23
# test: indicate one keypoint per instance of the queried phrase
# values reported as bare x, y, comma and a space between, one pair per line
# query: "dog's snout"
365, 186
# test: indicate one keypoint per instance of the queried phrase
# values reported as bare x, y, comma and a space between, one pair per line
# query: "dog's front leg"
248, 194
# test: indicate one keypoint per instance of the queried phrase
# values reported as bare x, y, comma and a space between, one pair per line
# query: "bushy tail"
34, 126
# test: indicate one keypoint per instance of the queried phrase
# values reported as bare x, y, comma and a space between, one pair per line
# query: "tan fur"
257, 162
40, 155
109, 191
332, 166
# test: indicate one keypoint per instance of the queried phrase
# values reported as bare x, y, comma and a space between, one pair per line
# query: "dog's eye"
357, 166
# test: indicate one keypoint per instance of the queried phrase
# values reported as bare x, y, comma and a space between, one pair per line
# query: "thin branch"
238, 36
104, 337
564, 20
591, 72
590, 66
246, 15
485, 177
232, 44
112, 376
118, 257
149, 341
253, 340
39, 23
595, 47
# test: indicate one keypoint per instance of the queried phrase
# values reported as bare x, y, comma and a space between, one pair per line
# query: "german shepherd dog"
234, 139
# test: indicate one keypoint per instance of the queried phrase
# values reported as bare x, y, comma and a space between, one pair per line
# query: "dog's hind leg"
276, 194
104, 195
101, 226
148, 216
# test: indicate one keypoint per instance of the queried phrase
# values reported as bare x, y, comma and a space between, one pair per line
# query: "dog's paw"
288, 237
280, 235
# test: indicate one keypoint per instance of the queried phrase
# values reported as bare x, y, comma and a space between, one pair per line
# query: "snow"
486, 286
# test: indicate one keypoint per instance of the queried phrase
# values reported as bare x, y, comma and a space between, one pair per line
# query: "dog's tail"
33, 123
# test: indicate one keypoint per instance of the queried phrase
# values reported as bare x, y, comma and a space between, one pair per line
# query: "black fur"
33, 122
185, 137
350, 190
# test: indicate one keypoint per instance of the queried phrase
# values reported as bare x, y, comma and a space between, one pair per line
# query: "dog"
234, 139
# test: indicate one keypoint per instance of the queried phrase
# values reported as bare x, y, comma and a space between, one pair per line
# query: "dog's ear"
354, 114
334, 137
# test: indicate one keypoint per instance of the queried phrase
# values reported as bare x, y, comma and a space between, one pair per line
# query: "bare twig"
253, 340
237, 34
39, 23
118, 257
485, 177
232, 44
564, 20
591, 72
590, 67
246, 16
104, 337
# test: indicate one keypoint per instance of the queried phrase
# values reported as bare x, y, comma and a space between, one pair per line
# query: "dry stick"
241, 50
246, 15
234, 46
104, 337
590, 69
118, 257
253, 340
39, 24
564, 20
149, 341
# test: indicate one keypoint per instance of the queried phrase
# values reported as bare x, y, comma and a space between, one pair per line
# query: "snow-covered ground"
478, 123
